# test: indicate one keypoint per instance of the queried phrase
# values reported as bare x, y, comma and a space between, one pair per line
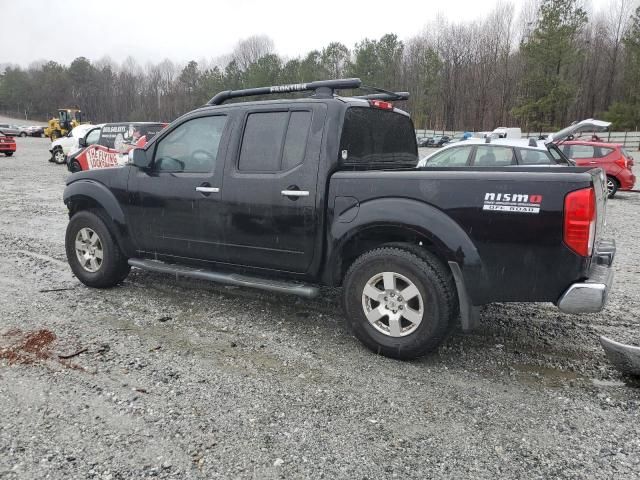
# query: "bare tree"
251, 49
618, 19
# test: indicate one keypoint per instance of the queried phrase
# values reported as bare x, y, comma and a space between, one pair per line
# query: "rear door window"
494, 156
581, 151
377, 139
452, 157
274, 141
535, 157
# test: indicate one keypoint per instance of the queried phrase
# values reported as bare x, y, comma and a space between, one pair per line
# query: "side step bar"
227, 278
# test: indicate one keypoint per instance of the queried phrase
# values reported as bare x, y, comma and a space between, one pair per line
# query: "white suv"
68, 144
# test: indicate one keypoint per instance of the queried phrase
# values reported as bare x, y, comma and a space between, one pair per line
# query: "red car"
612, 158
7, 145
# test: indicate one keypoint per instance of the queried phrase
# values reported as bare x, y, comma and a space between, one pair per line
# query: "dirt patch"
26, 347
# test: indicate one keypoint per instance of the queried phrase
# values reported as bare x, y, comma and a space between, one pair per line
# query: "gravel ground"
186, 379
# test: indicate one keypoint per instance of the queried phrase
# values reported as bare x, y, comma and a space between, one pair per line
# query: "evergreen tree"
550, 54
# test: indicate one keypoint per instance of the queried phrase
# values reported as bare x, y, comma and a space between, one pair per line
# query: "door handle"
207, 189
295, 193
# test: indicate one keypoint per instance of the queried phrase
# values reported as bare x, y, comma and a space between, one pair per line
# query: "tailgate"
599, 180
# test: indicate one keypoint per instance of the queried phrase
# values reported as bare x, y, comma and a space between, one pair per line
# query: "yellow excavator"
68, 119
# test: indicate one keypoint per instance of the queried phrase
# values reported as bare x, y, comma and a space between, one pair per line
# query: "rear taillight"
580, 221
381, 104
622, 162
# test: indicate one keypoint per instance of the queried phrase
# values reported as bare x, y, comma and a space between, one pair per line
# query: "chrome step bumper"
590, 296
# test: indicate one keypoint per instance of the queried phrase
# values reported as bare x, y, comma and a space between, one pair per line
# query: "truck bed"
509, 250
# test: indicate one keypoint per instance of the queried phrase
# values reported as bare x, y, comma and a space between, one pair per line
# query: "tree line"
539, 68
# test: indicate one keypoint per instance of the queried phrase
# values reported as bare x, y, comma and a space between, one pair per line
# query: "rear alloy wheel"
59, 157
392, 304
612, 186
399, 303
23, 134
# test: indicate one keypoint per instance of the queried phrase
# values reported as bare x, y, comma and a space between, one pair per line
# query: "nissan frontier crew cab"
290, 194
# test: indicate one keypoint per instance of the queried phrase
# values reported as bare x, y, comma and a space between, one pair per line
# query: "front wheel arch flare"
88, 194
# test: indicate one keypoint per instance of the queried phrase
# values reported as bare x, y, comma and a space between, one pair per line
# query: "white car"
509, 152
68, 144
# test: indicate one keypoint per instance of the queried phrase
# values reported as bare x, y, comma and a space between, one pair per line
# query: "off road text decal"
512, 202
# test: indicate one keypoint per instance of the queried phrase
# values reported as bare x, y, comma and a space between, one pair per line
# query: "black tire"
113, 268
8, 154
74, 166
612, 186
59, 158
23, 134
435, 284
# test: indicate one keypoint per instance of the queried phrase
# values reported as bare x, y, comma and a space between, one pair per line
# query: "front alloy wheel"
89, 250
392, 304
59, 157
92, 251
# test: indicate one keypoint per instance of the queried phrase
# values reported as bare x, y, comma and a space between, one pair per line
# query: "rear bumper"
7, 147
590, 295
626, 179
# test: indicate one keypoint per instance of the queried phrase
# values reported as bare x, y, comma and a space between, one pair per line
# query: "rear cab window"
374, 139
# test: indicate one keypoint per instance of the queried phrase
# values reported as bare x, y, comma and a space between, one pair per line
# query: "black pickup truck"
290, 194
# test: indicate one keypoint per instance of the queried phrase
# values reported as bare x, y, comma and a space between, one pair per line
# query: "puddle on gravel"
607, 383
536, 375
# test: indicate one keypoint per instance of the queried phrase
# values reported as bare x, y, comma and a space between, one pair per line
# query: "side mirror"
82, 142
139, 158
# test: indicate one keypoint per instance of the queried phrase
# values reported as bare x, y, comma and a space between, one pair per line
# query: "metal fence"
629, 140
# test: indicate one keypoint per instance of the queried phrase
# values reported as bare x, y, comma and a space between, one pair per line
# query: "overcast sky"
183, 30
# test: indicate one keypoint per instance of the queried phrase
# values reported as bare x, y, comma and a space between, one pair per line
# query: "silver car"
10, 130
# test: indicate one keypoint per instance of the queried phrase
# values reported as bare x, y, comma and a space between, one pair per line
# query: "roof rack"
321, 88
